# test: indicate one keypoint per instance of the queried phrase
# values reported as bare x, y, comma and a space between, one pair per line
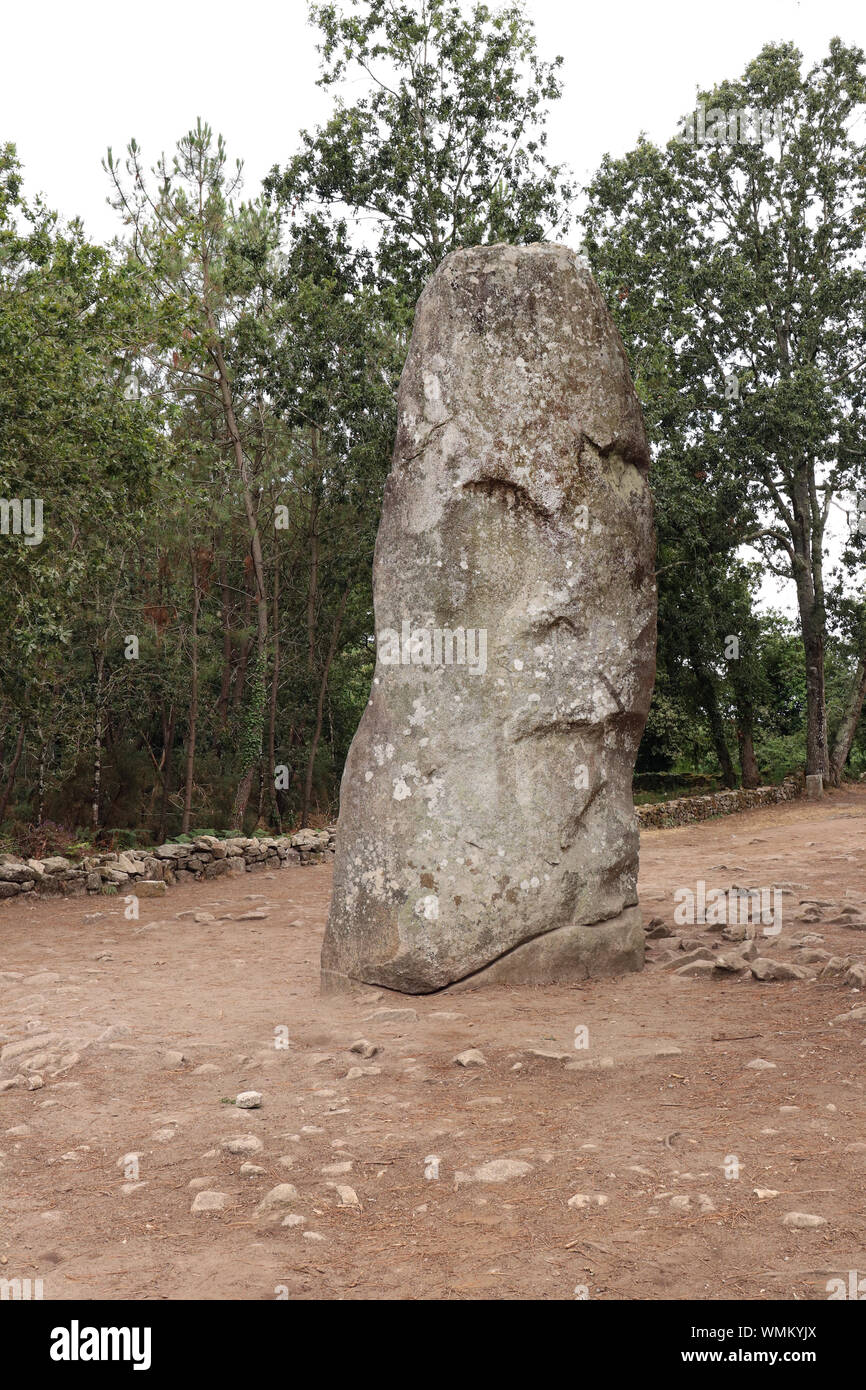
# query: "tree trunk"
97, 744
241, 670
720, 743
193, 706
808, 576
710, 701
166, 778
272, 713
848, 727
320, 707
40, 799
313, 586
225, 688
749, 774
816, 704
242, 795
13, 768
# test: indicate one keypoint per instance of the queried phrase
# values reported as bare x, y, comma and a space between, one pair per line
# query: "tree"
77, 456
208, 268
446, 148
736, 267
333, 379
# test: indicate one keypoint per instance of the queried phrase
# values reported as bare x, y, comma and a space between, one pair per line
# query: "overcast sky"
79, 77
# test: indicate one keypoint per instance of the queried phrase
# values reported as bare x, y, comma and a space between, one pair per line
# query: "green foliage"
745, 261
446, 146
207, 408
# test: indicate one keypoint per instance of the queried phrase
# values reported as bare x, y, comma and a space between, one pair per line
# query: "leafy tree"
208, 267
736, 268
446, 147
74, 451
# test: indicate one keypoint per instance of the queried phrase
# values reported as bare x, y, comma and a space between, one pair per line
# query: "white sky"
78, 77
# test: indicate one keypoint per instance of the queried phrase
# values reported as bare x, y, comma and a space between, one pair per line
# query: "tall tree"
77, 456
446, 145
208, 265
735, 257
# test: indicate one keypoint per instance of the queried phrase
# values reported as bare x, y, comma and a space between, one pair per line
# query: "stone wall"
664, 814
147, 873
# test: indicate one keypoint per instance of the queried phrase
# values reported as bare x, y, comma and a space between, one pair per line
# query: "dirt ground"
660, 1116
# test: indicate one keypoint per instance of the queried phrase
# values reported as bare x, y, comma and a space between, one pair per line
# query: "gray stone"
857, 1015
56, 864
35, 1043
15, 870
501, 1170
248, 1100
678, 961
217, 869
697, 970
392, 1016
814, 786
212, 1201
764, 969
243, 1144
470, 1058
310, 839
487, 828
803, 1220
836, 965
130, 864
150, 888
283, 1195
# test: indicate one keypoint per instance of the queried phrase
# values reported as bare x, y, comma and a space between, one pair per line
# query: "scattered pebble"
803, 1221
470, 1058
248, 1100
243, 1144
212, 1201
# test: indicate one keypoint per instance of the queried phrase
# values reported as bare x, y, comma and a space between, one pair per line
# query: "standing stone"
487, 831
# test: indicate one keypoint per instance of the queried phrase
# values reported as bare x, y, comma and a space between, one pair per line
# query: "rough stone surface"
486, 824
814, 786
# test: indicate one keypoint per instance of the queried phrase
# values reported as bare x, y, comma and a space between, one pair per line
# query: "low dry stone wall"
147, 873
685, 809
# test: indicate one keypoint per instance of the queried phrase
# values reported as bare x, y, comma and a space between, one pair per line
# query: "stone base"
814, 786
569, 954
